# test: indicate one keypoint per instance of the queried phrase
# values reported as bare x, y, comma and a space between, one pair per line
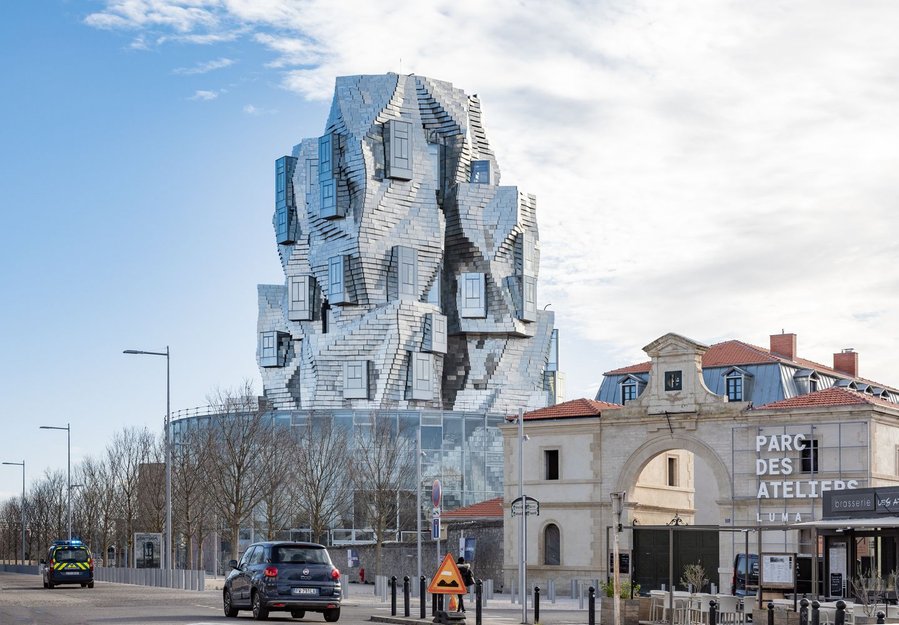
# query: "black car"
289, 576
68, 562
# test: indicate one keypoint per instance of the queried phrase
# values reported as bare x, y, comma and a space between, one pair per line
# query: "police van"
68, 562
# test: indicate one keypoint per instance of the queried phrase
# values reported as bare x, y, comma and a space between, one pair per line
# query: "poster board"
777, 570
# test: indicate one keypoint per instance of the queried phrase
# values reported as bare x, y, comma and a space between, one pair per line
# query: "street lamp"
69, 462
22, 464
167, 553
523, 524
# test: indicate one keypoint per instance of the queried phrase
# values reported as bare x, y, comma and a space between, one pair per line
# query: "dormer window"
628, 391
737, 384
673, 381
631, 387
806, 381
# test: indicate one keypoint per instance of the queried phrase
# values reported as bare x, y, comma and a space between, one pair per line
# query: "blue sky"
721, 170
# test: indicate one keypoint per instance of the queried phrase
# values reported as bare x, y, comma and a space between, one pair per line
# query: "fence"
20, 568
180, 579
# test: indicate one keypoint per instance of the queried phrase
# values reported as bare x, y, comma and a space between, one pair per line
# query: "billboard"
147, 550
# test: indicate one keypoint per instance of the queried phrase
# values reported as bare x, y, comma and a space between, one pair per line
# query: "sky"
714, 168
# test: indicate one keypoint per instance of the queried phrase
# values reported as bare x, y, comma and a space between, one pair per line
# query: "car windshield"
300, 555
71, 554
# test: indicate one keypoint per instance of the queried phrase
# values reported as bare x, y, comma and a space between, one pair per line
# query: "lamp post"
418, 501
68, 430
22, 464
167, 552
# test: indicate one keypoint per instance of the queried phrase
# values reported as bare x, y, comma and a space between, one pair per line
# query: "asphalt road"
24, 601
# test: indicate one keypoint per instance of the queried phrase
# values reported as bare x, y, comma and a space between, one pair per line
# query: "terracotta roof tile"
832, 396
569, 410
490, 509
735, 353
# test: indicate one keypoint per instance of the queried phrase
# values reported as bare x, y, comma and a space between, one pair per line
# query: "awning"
856, 524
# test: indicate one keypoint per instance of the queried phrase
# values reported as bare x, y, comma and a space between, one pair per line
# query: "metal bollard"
713, 612
407, 591
803, 612
770, 613
537, 604
840, 617
393, 596
816, 613
591, 606
422, 596
478, 596
881, 617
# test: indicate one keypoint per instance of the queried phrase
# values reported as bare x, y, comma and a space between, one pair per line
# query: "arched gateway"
742, 439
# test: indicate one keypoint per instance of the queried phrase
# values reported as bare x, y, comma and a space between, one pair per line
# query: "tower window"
673, 381
672, 471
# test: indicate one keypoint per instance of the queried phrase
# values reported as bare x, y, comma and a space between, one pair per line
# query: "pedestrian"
467, 579
362, 575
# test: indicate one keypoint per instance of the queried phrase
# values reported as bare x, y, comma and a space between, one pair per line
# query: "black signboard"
624, 562
861, 502
836, 584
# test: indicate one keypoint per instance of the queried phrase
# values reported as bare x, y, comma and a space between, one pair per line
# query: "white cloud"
716, 169
202, 68
204, 95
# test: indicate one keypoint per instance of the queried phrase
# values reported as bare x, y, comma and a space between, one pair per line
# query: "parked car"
68, 562
288, 576
740, 584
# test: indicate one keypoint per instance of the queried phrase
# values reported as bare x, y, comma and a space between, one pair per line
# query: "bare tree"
277, 475
322, 466
190, 491
383, 466
240, 447
128, 450
99, 492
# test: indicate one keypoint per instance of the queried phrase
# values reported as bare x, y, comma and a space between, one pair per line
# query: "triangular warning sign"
447, 580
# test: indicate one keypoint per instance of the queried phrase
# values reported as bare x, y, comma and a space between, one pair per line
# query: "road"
24, 601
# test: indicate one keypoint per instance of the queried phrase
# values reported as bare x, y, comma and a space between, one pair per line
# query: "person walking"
467, 579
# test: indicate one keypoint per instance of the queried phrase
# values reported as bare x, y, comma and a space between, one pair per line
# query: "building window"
285, 200
552, 545
672, 471
274, 348
551, 464
480, 172
673, 381
399, 149
809, 457
338, 290
421, 375
812, 383
407, 272
472, 295
355, 380
529, 299
628, 391
435, 333
734, 384
300, 298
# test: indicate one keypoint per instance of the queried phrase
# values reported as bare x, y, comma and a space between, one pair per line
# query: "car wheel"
260, 613
298, 613
332, 615
230, 610
90, 584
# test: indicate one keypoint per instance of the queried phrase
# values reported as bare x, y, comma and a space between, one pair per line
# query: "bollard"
478, 596
881, 617
422, 596
803, 612
591, 606
393, 596
713, 612
537, 604
816, 614
406, 592
770, 613
840, 618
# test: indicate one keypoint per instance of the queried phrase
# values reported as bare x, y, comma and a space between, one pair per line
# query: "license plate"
73, 572
305, 591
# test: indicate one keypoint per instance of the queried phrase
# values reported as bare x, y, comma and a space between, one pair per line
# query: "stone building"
768, 433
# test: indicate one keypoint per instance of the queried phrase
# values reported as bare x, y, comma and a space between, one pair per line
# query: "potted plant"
694, 578
632, 610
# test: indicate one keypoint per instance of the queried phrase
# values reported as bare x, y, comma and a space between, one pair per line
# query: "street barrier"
179, 579
20, 568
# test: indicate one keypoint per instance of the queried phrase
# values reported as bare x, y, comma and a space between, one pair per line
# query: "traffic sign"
435, 528
436, 493
447, 580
